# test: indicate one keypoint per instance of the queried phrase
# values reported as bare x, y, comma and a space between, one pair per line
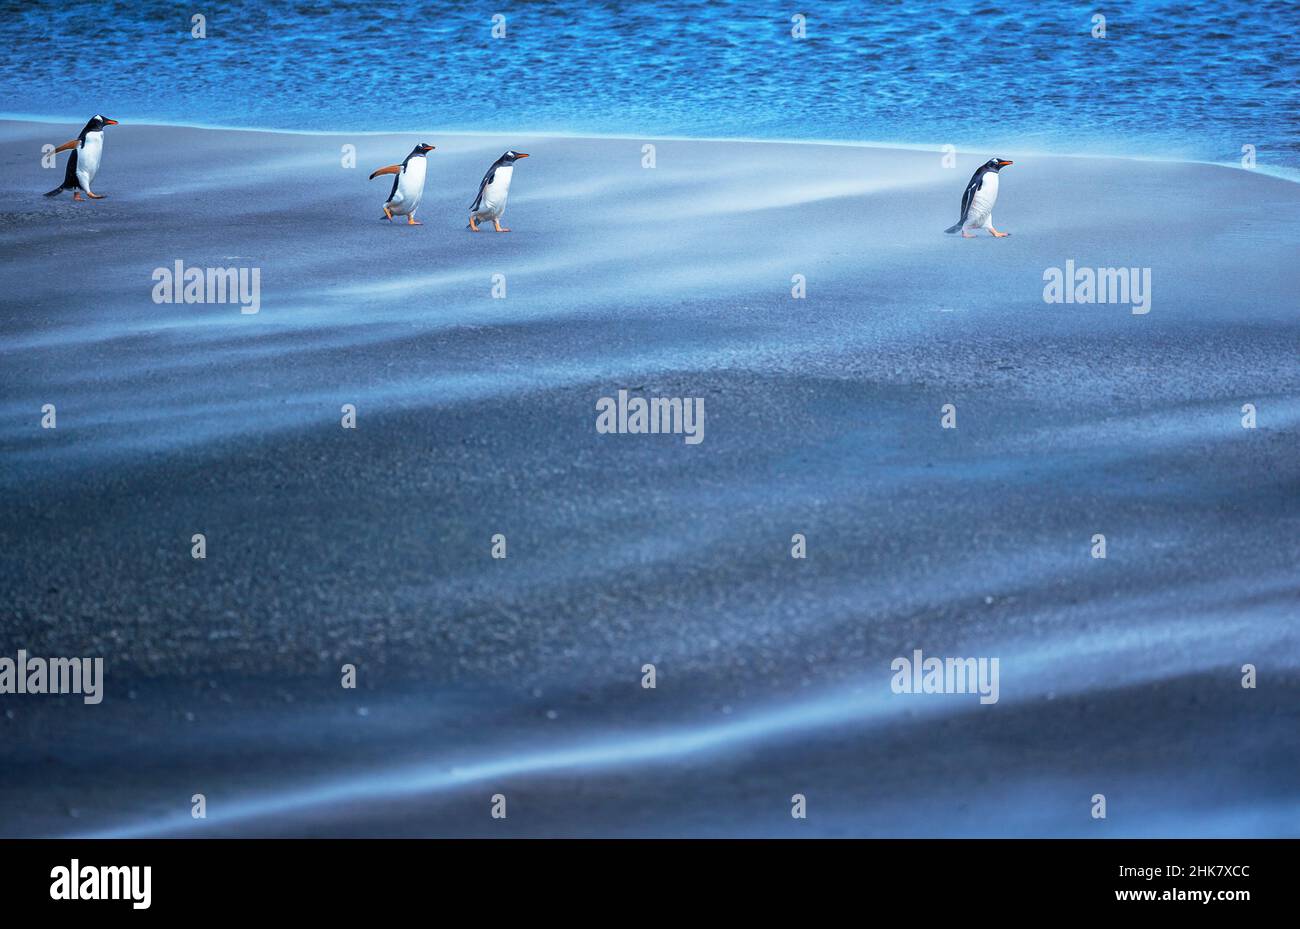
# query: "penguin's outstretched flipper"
390, 169
70, 176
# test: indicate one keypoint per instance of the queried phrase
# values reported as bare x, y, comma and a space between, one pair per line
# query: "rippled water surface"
1180, 80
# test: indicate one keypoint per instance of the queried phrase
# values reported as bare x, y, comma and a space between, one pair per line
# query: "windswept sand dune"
477, 416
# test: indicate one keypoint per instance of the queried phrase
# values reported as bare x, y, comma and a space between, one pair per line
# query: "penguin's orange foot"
95, 196
388, 213
473, 226
999, 235
499, 228
79, 197
966, 235
411, 221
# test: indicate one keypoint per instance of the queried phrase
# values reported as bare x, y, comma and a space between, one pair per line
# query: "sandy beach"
476, 416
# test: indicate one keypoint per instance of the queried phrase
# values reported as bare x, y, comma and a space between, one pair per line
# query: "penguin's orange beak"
521, 154
110, 122
1004, 163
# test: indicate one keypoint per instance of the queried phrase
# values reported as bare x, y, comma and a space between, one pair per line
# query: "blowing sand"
476, 416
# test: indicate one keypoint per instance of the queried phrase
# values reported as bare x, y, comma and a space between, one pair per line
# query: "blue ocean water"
1195, 81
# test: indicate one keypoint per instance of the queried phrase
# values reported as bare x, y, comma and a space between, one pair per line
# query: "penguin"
492, 192
408, 185
977, 202
83, 163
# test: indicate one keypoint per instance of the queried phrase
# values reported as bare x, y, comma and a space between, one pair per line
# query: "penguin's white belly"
88, 158
981, 207
494, 195
410, 188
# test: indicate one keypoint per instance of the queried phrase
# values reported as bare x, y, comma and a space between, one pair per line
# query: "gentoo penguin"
408, 185
83, 163
977, 202
492, 192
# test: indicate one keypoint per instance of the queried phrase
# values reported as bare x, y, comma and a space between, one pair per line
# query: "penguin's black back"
487, 179
70, 173
967, 198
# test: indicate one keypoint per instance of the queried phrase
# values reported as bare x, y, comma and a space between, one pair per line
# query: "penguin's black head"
423, 148
512, 156
98, 122
997, 164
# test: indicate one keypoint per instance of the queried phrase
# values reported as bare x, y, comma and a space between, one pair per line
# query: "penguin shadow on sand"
978, 199
408, 188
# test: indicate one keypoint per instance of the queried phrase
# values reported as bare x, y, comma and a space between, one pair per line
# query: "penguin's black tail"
56, 191
951, 229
